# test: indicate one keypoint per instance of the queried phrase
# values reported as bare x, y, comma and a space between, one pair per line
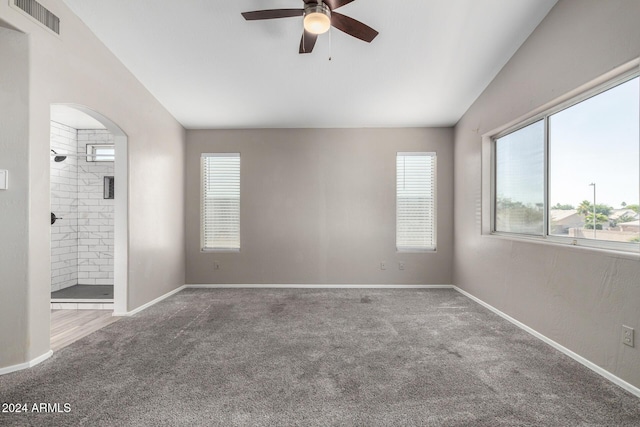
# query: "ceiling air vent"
40, 14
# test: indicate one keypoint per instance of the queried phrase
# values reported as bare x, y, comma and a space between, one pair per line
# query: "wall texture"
76, 68
577, 297
95, 213
14, 202
318, 207
64, 203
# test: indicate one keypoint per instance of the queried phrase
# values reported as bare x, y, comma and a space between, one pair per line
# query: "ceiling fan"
319, 16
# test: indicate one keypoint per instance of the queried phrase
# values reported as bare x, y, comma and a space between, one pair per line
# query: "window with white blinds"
221, 201
415, 201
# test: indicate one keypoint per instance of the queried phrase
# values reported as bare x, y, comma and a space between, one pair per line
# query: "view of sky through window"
596, 141
593, 170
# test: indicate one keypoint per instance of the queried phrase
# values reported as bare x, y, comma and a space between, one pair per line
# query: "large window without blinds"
221, 201
572, 176
415, 201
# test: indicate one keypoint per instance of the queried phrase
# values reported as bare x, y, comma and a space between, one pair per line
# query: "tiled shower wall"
95, 214
64, 203
82, 241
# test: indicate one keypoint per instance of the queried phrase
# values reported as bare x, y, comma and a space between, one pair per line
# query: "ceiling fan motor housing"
317, 18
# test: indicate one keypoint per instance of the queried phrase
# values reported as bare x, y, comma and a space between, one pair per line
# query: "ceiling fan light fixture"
317, 18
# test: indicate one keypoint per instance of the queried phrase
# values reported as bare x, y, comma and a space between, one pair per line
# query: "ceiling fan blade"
307, 42
334, 4
352, 27
272, 14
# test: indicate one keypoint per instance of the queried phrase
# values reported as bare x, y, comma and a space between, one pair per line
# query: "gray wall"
577, 297
318, 207
14, 207
77, 68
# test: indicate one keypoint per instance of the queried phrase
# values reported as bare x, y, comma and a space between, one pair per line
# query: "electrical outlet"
401, 265
627, 336
383, 266
216, 265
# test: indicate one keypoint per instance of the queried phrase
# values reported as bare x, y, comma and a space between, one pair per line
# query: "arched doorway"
120, 196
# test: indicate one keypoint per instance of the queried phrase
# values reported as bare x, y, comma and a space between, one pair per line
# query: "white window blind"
415, 201
221, 201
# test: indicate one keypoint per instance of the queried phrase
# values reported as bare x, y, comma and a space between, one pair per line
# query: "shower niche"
82, 201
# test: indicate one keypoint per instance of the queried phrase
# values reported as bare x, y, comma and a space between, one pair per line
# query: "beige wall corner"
578, 298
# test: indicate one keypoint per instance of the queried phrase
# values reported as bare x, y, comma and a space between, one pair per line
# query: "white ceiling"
212, 69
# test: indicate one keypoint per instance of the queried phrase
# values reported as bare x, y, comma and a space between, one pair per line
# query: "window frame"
92, 157
494, 168
605, 83
408, 249
203, 248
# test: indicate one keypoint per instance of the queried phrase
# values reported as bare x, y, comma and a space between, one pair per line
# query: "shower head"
58, 159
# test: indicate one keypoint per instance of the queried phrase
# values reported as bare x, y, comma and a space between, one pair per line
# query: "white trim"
564, 100
234, 154
149, 304
316, 286
92, 157
275, 286
26, 365
620, 75
595, 368
416, 153
563, 244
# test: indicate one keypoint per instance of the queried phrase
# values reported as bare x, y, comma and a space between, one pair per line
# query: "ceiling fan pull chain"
318, 18
330, 45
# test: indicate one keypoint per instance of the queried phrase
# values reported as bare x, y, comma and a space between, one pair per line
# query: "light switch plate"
4, 179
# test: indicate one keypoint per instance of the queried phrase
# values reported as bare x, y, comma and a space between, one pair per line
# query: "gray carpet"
316, 358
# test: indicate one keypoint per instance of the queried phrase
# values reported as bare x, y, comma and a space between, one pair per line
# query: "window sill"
415, 250
219, 250
617, 253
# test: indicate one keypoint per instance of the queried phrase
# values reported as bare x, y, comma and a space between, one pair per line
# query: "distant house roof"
560, 214
618, 213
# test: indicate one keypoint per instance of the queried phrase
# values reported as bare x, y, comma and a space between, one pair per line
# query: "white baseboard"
26, 365
149, 304
275, 286
317, 286
595, 368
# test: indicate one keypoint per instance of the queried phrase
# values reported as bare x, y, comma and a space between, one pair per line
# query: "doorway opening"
89, 237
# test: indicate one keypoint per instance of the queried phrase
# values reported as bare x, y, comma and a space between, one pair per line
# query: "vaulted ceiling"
212, 69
